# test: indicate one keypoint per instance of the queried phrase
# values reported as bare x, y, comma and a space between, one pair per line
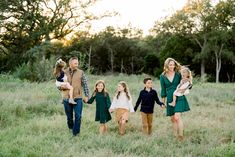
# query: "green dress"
167, 90
102, 107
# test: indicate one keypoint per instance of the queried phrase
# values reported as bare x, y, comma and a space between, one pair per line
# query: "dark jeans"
69, 108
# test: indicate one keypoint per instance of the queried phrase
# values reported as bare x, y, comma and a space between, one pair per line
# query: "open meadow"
33, 123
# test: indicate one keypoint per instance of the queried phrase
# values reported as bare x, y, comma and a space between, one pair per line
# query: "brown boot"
180, 138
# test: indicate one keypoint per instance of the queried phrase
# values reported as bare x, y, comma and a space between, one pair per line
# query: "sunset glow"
138, 13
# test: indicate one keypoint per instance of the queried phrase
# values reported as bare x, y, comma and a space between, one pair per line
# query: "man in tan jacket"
78, 80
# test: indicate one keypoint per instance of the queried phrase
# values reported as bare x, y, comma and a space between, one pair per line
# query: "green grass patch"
33, 123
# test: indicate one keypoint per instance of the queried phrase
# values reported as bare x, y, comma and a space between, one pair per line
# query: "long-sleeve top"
183, 87
122, 102
147, 100
102, 106
85, 85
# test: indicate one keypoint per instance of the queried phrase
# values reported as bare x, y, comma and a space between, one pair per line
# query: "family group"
176, 80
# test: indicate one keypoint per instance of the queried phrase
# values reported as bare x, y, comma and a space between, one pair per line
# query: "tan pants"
121, 118
147, 120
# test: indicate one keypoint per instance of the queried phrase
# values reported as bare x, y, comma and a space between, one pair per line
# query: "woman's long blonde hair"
126, 90
166, 65
96, 90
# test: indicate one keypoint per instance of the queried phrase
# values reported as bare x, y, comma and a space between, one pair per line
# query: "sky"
139, 13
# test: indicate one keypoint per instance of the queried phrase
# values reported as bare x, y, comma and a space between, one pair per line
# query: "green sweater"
102, 107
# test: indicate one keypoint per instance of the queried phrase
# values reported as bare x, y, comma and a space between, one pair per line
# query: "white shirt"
122, 102
183, 86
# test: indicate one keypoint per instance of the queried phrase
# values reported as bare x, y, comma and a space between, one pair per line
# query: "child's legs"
105, 127
174, 99
102, 128
121, 118
122, 127
175, 95
68, 86
150, 121
144, 122
123, 121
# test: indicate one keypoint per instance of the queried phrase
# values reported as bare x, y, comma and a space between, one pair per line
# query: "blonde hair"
96, 90
188, 71
59, 66
166, 65
126, 90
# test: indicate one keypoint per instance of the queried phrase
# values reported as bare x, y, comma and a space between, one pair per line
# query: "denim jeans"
69, 108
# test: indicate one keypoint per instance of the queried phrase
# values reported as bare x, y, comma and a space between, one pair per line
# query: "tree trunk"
218, 61
89, 60
203, 50
218, 67
132, 65
111, 60
203, 74
122, 67
228, 77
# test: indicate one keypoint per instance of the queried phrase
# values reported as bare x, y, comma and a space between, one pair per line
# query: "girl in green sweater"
101, 96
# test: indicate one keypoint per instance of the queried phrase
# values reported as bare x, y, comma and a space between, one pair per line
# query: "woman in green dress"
169, 80
103, 103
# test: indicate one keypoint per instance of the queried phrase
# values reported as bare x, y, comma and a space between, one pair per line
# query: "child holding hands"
101, 96
147, 98
122, 104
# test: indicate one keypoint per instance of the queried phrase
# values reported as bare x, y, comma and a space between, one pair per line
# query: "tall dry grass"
33, 123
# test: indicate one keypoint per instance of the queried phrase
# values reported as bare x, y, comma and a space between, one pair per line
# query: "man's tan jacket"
75, 80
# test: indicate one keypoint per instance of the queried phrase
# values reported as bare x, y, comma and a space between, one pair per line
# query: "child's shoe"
71, 101
180, 138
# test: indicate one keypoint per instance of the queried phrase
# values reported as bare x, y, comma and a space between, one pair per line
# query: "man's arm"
85, 85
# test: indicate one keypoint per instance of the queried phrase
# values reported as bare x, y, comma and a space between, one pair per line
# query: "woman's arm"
163, 87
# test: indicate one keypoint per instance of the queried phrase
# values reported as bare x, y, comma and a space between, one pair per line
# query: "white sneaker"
171, 104
71, 101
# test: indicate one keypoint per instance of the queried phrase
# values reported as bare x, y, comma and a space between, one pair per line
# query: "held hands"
163, 106
111, 110
85, 99
135, 109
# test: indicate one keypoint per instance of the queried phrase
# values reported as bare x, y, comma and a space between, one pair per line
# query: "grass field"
33, 123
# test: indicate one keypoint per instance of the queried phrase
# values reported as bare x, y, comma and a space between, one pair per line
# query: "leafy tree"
223, 13
201, 23
26, 23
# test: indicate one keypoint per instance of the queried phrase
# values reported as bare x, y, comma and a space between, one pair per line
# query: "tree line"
201, 35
